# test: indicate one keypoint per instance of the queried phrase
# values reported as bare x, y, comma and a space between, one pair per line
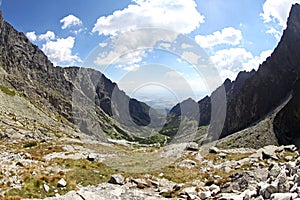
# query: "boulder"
266, 190
192, 146
117, 179
284, 196
62, 183
46, 188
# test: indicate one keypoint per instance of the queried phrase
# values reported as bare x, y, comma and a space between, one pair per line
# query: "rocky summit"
71, 133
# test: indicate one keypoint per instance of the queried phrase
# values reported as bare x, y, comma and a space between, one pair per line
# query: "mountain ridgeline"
80, 96
253, 95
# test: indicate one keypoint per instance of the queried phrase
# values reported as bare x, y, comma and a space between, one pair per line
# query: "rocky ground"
86, 169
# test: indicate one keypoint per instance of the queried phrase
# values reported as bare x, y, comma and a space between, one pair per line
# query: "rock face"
271, 84
73, 93
287, 121
253, 95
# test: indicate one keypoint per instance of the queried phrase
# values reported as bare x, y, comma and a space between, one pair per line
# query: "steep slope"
65, 92
271, 84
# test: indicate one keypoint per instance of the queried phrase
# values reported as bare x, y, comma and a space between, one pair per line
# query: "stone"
222, 155
266, 190
270, 152
190, 192
284, 196
91, 157
141, 183
204, 195
46, 188
214, 150
275, 170
62, 183
177, 187
187, 163
288, 158
249, 194
214, 189
291, 148
192, 146
117, 179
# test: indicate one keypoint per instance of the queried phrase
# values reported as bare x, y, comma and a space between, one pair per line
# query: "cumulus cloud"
181, 16
125, 51
60, 51
230, 36
275, 11
49, 35
70, 21
230, 61
31, 36
257, 60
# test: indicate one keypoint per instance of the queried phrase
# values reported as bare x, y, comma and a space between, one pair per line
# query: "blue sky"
158, 43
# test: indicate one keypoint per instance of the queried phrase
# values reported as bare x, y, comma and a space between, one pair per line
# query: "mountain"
80, 97
253, 95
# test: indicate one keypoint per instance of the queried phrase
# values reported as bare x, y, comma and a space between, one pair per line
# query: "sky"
156, 50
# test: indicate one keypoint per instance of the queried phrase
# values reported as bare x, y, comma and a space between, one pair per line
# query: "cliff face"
271, 84
287, 121
60, 91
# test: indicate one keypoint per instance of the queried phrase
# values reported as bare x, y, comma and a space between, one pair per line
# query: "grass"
7, 91
30, 144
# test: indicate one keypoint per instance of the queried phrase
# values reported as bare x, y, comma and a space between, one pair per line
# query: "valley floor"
87, 169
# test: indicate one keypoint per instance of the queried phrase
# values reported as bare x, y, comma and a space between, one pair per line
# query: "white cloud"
131, 68
49, 35
190, 57
31, 36
70, 21
180, 16
230, 61
228, 35
60, 51
126, 51
257, 60
277, 11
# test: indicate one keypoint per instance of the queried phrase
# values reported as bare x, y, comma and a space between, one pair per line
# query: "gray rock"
266, 190
190, 192
117, 179
284, 196
291, 148
204, 195
215, 189
62, 183
222, 155
187, 163
275, 170
192, 146
270, 152
46, 188
141, 183
288, 158
214, 150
